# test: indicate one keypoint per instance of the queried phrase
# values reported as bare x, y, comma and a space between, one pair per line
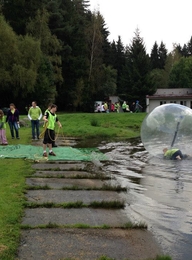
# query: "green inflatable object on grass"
63, 153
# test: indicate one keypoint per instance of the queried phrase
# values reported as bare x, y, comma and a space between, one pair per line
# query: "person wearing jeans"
35, 115
13, 120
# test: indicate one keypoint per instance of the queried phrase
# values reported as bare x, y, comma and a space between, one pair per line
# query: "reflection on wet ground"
159, 193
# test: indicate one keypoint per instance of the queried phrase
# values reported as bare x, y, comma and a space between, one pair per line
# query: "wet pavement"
87, 244
52, 233
159, 193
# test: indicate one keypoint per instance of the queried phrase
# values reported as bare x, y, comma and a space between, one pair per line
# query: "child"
51, 118
3, 129
48, 109
173, 154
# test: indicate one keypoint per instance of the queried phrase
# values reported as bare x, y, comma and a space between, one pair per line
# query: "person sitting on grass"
50, 118
173, 154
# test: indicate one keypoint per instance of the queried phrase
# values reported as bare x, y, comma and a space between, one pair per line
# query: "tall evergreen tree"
101, 81
185, 51
155, 56
189, 47
68, 21
120, 59
51, 47
137, 70
162, 55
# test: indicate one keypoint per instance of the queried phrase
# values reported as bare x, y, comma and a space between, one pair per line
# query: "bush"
94, 122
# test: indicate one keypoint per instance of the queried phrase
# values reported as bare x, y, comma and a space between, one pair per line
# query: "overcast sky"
169, 21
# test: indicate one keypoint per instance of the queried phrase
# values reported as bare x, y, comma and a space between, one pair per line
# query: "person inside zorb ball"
166, 130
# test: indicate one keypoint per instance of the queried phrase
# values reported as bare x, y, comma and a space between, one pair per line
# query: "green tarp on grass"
62, 153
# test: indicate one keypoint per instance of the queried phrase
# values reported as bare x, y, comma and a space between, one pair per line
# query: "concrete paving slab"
86, 244
59, 166
88, 216
66, 174
67, 141
61, 196
58, 183
61, 141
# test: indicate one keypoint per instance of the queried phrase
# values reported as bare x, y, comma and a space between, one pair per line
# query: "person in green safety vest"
48, 109
173, 154
50, 118
124, 105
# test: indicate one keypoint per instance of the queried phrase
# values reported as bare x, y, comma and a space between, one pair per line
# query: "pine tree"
189, 47
137, 70
162, 55
51, 61
155, 56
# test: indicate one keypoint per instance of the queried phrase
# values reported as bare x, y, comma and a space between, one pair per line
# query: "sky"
169, 21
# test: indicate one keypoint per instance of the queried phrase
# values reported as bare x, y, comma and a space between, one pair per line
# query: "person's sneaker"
44, 154
52, 153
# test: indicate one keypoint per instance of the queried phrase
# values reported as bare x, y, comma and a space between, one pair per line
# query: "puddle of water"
159, 193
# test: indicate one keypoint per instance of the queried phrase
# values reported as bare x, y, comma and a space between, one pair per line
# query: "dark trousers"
35, 128
13, 126
173, 157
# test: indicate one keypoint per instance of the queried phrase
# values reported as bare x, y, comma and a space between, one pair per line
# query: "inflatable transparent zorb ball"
167, 126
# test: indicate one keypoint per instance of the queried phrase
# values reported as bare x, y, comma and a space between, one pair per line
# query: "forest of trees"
58, 51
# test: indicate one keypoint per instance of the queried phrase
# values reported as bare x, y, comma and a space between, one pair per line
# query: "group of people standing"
135, 107
106, 108
12, 119
34, 115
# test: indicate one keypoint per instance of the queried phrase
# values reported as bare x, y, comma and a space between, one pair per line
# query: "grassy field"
14, 171
104, 125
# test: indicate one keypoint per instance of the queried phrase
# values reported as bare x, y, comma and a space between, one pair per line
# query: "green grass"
90, 125
130, 225
116, 204
104, 187
87, 226
84, 125
12, 186
38, 187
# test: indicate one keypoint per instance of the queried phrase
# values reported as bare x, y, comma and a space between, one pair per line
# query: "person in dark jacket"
13, 120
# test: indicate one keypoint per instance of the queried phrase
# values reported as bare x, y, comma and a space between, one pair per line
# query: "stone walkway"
60, 221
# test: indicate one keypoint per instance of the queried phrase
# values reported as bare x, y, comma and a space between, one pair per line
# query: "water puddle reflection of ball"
168, 125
